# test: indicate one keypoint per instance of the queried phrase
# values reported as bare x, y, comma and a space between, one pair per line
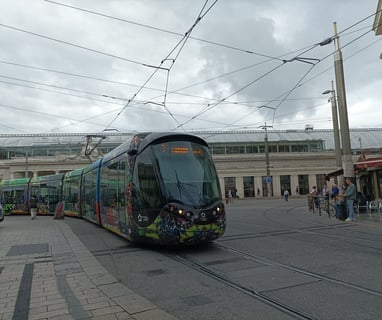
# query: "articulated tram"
158, 187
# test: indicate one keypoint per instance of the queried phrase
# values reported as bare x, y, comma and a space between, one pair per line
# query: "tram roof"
362, 138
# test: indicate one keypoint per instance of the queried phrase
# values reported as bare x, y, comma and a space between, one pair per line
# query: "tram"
156, 187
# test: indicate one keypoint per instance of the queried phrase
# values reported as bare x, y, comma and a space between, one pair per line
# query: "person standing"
230, 199
1, 210
350, 193
336, 199
33, 206
286, 194
335, 193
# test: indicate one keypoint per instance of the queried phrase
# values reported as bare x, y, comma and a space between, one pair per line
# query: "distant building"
298, 159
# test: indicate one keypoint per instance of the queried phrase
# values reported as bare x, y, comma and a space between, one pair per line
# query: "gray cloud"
202, 75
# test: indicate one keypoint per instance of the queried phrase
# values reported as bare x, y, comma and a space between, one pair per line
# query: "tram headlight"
181, 212
219, 209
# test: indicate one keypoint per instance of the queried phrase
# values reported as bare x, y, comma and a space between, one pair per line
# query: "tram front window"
187, 172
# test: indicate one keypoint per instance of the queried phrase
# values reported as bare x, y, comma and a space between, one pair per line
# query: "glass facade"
259, 147
285, 184
229, 184
249, 186
303, 184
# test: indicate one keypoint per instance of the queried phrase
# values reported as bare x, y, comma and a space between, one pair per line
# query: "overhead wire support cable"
186, 36
161, 29
211, 106
73, 44
284, 95
309, 61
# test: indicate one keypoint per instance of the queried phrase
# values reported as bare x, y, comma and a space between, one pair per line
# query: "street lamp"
336, 131
347, 162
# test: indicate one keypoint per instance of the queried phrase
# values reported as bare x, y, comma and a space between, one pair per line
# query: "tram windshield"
187, 173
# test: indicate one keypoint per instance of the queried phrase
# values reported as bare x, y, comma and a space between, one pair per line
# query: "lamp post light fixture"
336, 131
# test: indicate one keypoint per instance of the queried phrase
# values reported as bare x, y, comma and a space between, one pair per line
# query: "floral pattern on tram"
170, 228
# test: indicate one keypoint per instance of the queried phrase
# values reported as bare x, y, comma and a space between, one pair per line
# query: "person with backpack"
286, 194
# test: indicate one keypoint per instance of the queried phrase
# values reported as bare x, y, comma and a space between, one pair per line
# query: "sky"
193, 65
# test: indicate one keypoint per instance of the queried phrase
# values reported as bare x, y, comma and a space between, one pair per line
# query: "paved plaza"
47, 273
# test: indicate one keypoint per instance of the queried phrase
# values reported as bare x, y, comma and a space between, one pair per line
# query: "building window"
285, 184
236, 149
249, 189
272, 148
284, 148
229, 184
251, 149
303, 184
218, 150
265, 181
321, 182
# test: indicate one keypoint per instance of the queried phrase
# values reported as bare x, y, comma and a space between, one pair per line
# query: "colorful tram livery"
159, 187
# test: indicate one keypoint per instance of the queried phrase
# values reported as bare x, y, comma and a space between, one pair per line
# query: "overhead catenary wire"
139, 105
209, 107
359, 50
247, 51
198, 19
177, 92
173, 92
225, 101
300, 82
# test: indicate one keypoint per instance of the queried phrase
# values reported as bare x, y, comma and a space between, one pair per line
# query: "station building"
296, 160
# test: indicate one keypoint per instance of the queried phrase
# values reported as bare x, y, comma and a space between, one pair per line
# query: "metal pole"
347, 163
26, 165
336, 131
267, 165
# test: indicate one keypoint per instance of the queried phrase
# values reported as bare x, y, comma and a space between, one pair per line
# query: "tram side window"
14, 196
89, 196
148, 186
110, 185
71, 192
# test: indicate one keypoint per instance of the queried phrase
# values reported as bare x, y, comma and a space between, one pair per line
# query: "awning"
336, 173
369, 163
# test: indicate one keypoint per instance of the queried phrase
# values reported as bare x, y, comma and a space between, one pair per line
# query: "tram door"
113, 195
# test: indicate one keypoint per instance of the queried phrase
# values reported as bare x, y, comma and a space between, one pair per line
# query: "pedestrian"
335, 192
230, 200
1, 210
258, 191
335, 196
314, 199
350, 193
297, 190
33, 207
286, 194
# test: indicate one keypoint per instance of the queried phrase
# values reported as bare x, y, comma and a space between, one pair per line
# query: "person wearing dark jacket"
350, 193
33, 207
